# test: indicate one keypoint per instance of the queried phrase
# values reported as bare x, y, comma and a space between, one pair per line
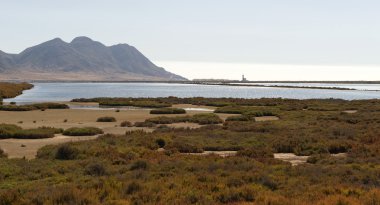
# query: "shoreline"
195, 81
242, 84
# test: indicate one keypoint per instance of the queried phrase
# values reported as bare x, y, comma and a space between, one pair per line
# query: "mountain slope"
6, 61
81, 59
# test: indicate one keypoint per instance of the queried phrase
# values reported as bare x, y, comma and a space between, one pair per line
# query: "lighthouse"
243, 79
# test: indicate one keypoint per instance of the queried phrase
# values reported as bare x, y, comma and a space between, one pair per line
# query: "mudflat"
66, 118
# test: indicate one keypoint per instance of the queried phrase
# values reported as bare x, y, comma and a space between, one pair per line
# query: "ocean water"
52, 92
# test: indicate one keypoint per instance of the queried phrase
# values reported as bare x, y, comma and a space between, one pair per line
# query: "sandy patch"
339, 155
292, 158
219, 153
83, 118
266, 118
350, 111
19, 148
297, 160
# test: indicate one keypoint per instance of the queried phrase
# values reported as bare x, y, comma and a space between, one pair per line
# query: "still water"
50, 92
368, 87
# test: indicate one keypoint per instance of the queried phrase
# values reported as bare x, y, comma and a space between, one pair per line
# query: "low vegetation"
168, 111
11, 90
126, 124
39, 106
135, 102
82, 131
144, 124
267, 103
202, 119
106, 119
14, 131
131, 169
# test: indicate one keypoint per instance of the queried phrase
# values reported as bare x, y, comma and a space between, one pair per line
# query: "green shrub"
256, 152
8, 130
167, 120
168, 111
40, 106
202, 119
218, 104
11, 90
106, 119
132, 188
95, 169
50, 106
237, 118
207, 118
248, 112
231, 110
140, 164
66, 152
16, 108
34, 133
144, 124
160, 142
82, 131
126, 124
234, 195
138, 103
14, 131
185, 147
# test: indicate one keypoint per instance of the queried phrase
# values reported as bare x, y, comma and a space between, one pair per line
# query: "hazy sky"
180, 34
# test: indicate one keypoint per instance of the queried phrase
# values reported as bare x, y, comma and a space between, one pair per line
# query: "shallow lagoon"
50, 92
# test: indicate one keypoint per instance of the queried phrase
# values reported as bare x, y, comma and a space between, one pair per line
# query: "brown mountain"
81, 59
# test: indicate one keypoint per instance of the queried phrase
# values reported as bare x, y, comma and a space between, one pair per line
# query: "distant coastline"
188, 81
235, 83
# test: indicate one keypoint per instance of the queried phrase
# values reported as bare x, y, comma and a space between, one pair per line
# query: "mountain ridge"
81, 59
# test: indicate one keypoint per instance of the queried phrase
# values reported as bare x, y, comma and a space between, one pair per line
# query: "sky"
265, 40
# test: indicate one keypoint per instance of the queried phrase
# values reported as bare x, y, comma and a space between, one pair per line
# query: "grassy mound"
144, 104
82, 131
106, 119
14, 131
168, 111
126, 124
202, 119
39, 106
11, 90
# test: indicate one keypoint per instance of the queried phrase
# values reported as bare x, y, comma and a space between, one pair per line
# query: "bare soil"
19, 148
77, 118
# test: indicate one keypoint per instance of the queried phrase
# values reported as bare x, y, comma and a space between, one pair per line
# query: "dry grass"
266, 118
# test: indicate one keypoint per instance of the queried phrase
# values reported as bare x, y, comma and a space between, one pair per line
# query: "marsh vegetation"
128, 168
11, 90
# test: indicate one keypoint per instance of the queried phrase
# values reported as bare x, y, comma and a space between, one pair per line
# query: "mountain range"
81, 60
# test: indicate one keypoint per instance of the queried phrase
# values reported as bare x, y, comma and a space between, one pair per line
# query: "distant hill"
81, 59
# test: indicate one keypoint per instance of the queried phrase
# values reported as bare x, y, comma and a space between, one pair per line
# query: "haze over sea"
50, 92
272, 72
